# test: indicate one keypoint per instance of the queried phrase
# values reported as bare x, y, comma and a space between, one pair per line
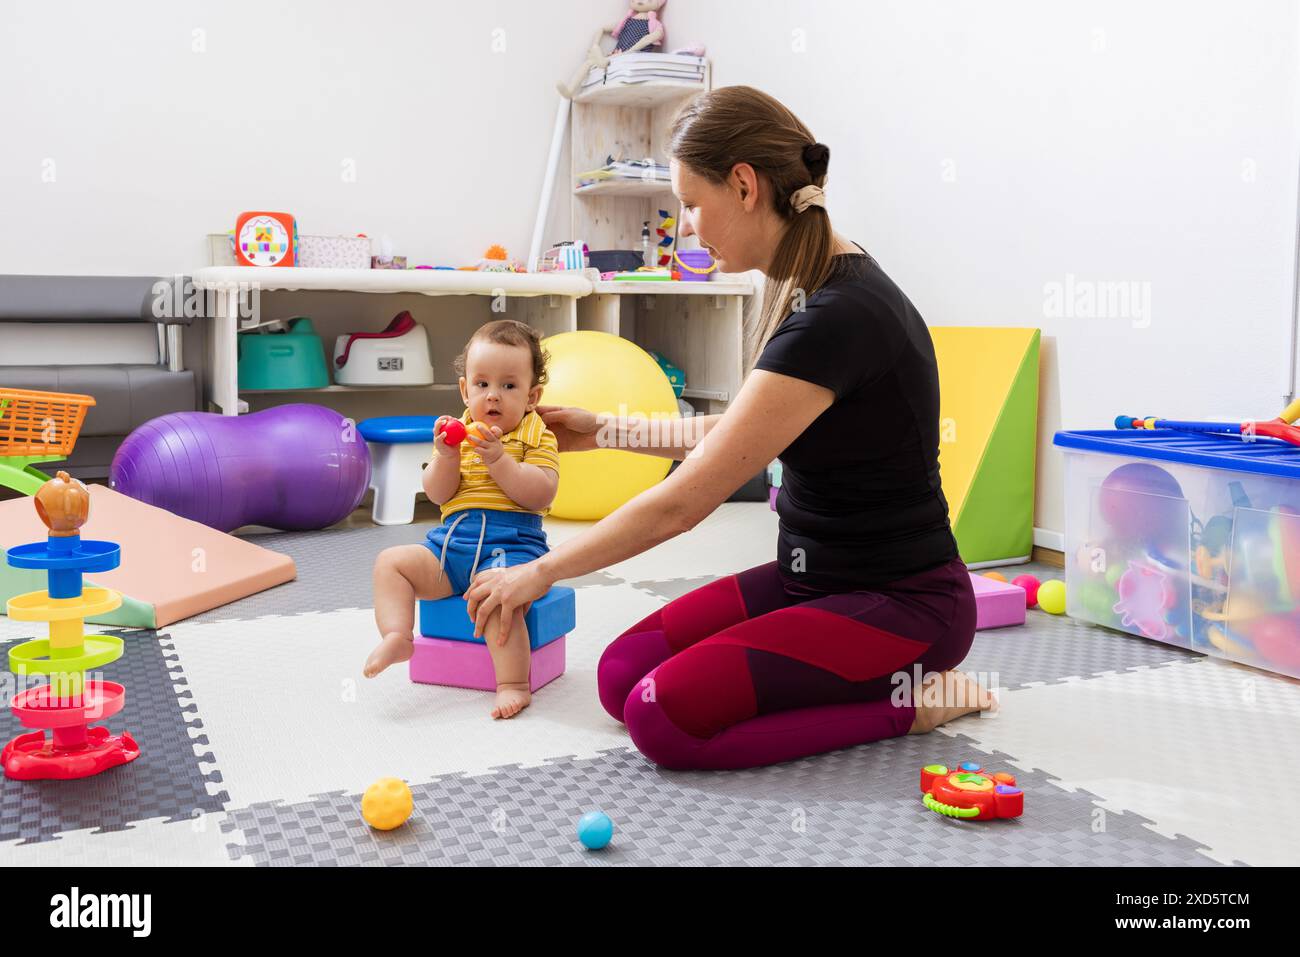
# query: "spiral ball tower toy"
68, 703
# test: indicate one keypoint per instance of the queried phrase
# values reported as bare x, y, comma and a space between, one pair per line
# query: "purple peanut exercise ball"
294, 467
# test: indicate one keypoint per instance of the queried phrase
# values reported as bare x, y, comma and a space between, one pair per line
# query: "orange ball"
996, 576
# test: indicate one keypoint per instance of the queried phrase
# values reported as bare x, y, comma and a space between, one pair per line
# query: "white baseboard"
1044, 538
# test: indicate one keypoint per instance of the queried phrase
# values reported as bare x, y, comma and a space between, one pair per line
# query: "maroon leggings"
747, 671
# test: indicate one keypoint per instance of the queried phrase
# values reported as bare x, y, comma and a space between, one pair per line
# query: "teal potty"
283, 360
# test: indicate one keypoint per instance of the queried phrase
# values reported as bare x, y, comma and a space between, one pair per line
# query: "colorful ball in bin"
595, 830
996, 576
1277, 640
1030, 584
605, 373
1097, 599
387, 804
1051, 597
1144, 503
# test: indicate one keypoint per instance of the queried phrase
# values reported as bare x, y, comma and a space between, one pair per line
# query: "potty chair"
397, 356
293, 359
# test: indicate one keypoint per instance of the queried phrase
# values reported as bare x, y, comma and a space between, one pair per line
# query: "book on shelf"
640, 57
646, 67
625, 170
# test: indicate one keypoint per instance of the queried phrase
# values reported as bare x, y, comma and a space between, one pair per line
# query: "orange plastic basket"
40, 423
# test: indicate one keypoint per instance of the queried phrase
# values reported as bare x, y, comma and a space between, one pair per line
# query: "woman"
820, 648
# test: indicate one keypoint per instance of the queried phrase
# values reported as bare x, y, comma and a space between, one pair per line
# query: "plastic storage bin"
1189, 539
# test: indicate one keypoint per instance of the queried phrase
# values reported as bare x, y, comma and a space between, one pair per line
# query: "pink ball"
1275, 639
1030, 584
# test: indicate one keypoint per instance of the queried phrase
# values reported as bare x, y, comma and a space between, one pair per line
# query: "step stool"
447, 653
400, 445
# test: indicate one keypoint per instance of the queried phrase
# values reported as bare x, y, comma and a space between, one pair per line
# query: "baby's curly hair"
510, 332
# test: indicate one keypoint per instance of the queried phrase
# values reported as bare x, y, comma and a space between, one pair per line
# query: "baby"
493, 489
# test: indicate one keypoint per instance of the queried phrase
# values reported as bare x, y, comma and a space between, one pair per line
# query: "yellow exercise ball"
604, 373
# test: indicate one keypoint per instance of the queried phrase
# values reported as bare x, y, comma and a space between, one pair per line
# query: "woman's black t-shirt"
860, 502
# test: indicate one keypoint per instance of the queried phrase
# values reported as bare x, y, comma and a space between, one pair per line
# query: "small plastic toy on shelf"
266, 239
565, 256
496, 259
69, 701
969, 793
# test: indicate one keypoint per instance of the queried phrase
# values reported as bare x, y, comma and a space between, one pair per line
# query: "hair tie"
809, 195
817, 157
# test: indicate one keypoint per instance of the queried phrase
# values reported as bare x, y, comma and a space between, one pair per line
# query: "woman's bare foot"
393, 648
512, 697
948, 695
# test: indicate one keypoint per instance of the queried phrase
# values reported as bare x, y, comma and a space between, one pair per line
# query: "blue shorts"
509, 538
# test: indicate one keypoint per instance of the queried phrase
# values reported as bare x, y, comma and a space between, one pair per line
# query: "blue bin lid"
398, 429
1263, 456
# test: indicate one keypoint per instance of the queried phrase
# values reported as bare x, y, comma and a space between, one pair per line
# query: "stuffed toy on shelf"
639, 30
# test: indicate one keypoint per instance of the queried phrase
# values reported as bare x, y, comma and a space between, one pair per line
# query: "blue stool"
551, 616
400, 446
447, 653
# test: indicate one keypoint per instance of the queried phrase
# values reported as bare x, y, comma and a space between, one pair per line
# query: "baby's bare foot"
948, 695
512, 697
393, 648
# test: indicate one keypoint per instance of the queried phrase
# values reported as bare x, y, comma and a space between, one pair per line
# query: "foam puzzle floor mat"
258, 736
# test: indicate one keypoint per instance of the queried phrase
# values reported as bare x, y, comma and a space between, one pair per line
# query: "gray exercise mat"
860, 806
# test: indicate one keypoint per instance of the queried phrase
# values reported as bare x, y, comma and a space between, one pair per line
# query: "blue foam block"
551, 616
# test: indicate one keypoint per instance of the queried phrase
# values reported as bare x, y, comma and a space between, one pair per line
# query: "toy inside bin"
1190, 539
37, 427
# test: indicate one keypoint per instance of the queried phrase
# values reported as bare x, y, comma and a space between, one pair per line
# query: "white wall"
984, 150
158, 134
981, 151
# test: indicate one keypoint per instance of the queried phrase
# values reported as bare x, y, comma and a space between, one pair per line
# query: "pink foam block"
464, 664
997, 603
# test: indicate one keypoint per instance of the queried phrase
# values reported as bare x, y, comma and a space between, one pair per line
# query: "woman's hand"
575, 429
513, 590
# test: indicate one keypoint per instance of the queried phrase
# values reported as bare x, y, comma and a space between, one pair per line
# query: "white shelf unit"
436, 387
644, 95
450, 304
698, 326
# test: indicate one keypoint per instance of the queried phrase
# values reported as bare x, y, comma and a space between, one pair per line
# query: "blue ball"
595, 830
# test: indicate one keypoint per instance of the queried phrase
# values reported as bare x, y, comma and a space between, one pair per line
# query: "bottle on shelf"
647, 248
